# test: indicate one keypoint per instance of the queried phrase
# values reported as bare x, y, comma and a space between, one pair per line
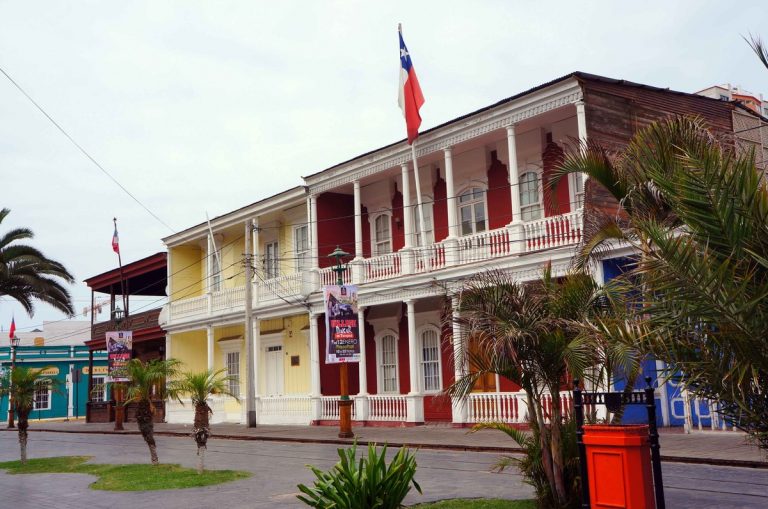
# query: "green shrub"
364, 484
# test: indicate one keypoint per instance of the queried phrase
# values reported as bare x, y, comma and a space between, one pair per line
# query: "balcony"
528, 237
135, 322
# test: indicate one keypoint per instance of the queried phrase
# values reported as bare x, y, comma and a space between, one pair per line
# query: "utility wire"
84, 152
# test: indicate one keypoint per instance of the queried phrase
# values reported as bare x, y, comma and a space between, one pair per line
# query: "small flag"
115, 240
12, 332
410, 97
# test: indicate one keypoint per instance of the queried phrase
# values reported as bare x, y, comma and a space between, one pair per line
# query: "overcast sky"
208, 106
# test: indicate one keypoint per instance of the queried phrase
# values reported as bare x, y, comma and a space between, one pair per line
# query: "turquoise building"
68, 364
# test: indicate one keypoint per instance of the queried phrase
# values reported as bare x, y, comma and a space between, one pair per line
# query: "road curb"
438, 447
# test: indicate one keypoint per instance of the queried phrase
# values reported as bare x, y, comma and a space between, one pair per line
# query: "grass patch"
478, 503
136, 477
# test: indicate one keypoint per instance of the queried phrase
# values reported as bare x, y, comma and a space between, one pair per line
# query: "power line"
84, 152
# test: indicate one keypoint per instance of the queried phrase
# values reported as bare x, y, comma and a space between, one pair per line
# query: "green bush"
364, 484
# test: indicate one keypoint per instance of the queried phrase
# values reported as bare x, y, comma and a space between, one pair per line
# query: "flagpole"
419, 203
122, 279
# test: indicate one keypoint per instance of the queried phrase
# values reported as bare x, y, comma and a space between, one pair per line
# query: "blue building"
63, 354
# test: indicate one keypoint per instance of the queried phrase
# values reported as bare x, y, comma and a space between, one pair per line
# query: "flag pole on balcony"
116, 249
410, 100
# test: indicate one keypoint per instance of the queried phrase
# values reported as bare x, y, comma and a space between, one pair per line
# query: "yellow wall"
295, 337
232, 251
187, 271
230, 405
190, 349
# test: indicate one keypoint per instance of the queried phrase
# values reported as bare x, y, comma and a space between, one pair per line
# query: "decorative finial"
399, 27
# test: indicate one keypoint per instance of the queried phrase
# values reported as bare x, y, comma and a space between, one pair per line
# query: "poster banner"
119, 344
342, 335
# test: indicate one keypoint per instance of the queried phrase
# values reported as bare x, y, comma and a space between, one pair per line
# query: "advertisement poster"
342, 338
119, 345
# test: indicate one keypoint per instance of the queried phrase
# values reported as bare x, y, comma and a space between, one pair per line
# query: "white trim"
378, 339
483, 186
307, 253
419, 335
374, 240
539, 172
46, 381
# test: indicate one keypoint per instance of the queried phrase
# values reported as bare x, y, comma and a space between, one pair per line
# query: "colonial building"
483, 205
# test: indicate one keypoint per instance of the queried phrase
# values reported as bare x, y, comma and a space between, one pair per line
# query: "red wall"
335, 225
499, 204
398, 230
555, 201
402, 354
366, 233
507, 385
438, 407
440, 209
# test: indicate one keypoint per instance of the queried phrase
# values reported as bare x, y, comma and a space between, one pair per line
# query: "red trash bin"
619, 466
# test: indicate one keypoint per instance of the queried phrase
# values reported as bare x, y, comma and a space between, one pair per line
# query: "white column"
313, 230
450, 191
70, 391
361, 400
209, 335
407, 209
314, 367
358, 221
256, 356
514, 181
168, 353
414, 400
255, 261
581, 122
459, 405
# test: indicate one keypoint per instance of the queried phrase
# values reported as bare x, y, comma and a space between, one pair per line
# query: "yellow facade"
190, 349
187, 272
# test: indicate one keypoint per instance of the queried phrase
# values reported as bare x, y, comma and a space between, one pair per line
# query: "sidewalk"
726, 448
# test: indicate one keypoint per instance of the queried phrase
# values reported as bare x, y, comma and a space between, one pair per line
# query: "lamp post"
14, 345
345, 404
117, 388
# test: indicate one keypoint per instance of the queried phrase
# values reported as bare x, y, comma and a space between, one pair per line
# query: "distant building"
60, 349
728, 92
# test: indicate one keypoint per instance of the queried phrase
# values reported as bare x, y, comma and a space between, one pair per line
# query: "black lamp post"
117, 388
345, 404
14, 345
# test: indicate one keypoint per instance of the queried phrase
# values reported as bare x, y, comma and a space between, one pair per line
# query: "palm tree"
27, 274
532, 334
147, 382
21, 385
697, 212
200, 387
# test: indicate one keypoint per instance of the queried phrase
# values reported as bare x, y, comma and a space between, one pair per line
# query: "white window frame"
38, 383
472, 203
230, 347
422, 373
429, 222
537, 206
103, 385
271, 259
375, 241
379, 340
302, 256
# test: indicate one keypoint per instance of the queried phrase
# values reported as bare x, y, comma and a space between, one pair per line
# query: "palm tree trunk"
23, 423
201, 432
556, 447
147, 428
200, 460
544, 444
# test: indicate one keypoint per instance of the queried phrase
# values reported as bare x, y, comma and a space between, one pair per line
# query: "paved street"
279, 466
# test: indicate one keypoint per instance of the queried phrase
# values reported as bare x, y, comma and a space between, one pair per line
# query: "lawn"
478, 503
134, 477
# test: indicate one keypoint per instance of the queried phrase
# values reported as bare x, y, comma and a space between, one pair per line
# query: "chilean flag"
13, 328
410, 98
115, 241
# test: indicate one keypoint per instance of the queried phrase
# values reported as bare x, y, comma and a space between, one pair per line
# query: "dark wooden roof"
143, 277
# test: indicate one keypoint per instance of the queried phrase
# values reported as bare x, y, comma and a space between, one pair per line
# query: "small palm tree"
27, 274
21, 384
147, 381
200, 386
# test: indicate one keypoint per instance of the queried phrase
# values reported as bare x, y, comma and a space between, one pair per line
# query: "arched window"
386, 345
426, 206
472, 211
530, 197
431, 374
382, 235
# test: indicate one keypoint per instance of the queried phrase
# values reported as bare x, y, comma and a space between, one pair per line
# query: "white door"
273, 363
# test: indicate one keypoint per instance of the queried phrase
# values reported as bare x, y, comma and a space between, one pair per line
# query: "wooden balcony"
146, 321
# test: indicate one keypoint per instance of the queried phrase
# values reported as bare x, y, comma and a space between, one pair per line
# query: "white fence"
511, 407
285, 410
387, 407
329, 408
228, 299
381, 267
555, 231
484, 246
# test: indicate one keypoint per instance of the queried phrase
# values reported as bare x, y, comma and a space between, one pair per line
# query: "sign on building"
342, 333
119, 344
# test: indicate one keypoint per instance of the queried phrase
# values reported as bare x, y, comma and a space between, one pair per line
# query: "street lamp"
117, 388
14, 345
345, 404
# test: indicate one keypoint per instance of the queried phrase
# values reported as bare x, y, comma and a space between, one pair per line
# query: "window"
430, 360
301, 247
388, 364
472, 211
530, 198
216, 271
42, 395
99, 391
233, 371
382, 236
427, 208
724, 97
271, 267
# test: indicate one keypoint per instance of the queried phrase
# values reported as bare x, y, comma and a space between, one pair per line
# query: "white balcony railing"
484, 246
228, 299
188, 307
387, 407
381, 267
329, 277
287, 286
329, 408
555, 231
428, 258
